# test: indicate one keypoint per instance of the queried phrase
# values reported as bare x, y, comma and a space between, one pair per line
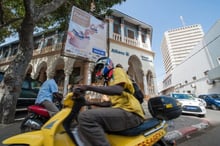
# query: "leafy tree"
24, 17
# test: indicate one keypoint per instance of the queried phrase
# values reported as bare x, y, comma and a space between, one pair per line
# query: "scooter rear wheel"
25, 128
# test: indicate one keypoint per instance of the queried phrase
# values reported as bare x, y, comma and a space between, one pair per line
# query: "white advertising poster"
86, 36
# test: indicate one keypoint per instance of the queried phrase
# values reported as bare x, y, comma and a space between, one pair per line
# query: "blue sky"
164, 15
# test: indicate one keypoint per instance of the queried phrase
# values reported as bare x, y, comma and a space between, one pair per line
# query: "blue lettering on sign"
146, 58
120, 52
98, 51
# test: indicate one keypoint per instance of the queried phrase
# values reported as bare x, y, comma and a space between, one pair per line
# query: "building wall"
213, 36
130, 45
192, 74
121, 54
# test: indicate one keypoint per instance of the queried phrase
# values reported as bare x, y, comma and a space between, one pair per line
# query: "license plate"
191, 108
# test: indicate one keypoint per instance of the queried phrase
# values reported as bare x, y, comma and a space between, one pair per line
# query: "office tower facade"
178, 43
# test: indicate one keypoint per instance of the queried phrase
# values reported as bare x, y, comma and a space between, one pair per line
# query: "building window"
5, 51
36, 44
194, 77
50, 42
143, 37
130, 33
116, 28
14, 50
206, 72
61, 38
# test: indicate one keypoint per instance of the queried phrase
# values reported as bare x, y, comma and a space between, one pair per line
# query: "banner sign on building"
86, 36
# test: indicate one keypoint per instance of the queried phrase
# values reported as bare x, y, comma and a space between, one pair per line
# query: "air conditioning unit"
210, 82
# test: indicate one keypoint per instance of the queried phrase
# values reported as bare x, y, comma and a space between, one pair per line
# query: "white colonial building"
128, 43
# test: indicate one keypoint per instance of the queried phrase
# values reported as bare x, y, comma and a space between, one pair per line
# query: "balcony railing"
48, 49
35, 52
144, 45
6, 60
129, 41
117, 37
58, 46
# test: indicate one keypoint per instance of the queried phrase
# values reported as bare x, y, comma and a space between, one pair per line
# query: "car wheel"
214, 107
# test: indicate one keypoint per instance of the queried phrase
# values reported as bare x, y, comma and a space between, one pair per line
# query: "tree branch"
10, 22
47, 8
1, 14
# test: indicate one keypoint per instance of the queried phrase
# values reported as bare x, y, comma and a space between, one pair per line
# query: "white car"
190, 104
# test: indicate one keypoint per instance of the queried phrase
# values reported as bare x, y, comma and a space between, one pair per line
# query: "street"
9, 130
202, 138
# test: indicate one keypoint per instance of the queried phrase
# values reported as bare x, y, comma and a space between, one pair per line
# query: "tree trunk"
10, 88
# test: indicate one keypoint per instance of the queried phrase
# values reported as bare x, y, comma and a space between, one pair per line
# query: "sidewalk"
184, 126
181, 127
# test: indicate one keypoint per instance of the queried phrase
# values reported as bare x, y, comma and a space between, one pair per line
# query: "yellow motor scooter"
60, 130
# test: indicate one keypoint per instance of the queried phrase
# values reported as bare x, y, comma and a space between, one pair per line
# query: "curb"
186, 131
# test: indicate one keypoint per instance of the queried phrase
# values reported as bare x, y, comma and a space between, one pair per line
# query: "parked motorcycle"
37, 116
59, 130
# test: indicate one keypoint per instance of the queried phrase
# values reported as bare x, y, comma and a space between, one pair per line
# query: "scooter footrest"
146, 125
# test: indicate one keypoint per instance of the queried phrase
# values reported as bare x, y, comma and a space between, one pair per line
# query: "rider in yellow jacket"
123, 112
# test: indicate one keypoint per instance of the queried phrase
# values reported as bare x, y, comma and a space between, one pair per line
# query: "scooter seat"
39, 109
146, 125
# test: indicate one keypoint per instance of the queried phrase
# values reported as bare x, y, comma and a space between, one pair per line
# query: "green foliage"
12, 13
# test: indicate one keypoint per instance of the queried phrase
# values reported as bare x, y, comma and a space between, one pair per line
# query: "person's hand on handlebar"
78, 92
81, 87
58, 95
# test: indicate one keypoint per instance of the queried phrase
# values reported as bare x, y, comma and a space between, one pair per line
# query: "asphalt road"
208, 137
9, 130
